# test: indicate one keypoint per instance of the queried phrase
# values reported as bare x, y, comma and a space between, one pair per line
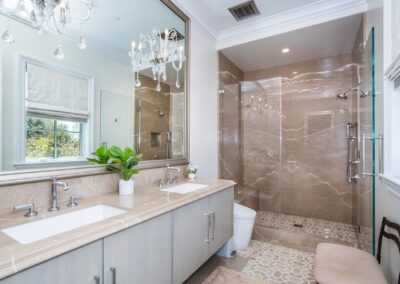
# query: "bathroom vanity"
161, 238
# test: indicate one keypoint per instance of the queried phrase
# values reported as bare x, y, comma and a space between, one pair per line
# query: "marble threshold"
146, 203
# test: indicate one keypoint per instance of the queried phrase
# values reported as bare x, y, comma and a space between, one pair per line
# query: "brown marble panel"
306, 175
230, 166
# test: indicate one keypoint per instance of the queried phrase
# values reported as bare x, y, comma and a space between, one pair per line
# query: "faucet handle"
31, 209
158, 182
72, 200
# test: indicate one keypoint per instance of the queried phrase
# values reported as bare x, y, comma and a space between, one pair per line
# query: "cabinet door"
190, 244
221, 207
141, 254
83, 265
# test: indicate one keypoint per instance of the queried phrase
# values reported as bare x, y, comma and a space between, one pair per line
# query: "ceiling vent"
244, 11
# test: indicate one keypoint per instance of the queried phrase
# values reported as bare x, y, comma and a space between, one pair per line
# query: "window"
56, 114
48, 139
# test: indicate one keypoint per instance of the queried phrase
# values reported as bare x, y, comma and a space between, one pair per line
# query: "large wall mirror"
78, 74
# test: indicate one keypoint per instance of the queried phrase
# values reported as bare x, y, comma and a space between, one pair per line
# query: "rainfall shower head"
363, 92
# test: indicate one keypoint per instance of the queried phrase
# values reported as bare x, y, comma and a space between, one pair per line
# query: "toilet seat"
242, 212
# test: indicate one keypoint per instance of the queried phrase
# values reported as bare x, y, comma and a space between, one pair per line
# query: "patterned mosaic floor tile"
273, 264
327, 229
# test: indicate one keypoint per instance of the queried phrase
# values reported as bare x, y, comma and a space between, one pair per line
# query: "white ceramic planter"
126, 187
192, 176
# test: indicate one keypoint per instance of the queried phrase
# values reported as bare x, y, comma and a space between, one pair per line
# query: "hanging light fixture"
155, 51
42, 14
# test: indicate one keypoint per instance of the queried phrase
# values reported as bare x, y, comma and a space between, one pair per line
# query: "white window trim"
20, 162
390, 66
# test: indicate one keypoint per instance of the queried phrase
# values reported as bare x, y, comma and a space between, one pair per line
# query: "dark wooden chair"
338, 264
383, 233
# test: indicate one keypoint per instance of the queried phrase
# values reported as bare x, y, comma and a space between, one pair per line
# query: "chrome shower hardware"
350, 150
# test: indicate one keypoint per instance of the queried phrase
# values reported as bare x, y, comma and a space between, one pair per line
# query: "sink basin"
45, 228
184, 188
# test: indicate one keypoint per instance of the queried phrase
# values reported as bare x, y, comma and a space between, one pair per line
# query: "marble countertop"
147, 202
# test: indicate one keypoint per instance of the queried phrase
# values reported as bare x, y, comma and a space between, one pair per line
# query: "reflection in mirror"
76, 76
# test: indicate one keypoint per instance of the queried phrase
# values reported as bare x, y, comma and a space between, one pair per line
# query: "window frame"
391, 67
87, 128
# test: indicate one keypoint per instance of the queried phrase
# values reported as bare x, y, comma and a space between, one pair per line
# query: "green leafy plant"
121, 161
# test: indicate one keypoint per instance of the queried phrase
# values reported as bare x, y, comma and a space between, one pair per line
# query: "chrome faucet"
54, 185
168, 175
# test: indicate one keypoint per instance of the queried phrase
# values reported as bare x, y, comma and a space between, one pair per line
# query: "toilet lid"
241, 211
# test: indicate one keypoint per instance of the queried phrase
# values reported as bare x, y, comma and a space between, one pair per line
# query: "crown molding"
198, 18
304, 16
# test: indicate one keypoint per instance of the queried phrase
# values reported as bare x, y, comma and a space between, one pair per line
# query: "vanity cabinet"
140, 254
163, 250
83, 265
221, 206
200, 229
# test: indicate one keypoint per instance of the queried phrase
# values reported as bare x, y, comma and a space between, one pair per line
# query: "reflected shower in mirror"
91, 73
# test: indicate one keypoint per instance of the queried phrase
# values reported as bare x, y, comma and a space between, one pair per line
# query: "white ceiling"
319, 41
217, 14
277, 17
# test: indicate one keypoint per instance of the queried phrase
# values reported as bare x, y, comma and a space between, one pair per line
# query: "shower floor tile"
313, 228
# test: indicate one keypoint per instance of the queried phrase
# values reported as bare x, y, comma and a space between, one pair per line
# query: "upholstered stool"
338, 264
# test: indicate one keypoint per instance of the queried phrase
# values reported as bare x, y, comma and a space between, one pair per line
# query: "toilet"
243, 223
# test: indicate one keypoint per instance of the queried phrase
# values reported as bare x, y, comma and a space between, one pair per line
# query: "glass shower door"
366, 145
262, 146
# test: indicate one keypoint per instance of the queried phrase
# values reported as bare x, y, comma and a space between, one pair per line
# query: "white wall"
203, 103
387, 204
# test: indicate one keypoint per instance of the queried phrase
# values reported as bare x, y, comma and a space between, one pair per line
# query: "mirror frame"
45, 174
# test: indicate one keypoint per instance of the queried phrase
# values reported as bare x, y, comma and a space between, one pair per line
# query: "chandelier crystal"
155, 51
42, 14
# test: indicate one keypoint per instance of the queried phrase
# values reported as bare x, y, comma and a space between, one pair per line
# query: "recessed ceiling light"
285, 50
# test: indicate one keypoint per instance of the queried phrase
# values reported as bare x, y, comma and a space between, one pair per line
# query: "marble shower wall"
305, 130
155, 110
229, 120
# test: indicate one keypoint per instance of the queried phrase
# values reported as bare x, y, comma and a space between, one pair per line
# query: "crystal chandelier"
155, 51
45, 13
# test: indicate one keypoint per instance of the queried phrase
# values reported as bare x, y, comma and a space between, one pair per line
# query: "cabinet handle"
208, 215
96, 279
113, 274
213, 225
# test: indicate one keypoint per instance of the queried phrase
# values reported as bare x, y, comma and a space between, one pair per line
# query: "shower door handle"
381, 153
364, 162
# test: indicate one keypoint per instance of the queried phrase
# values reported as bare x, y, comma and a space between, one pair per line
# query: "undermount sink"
45, 228
184, 188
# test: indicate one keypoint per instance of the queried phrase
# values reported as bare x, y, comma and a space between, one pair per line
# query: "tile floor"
285, 255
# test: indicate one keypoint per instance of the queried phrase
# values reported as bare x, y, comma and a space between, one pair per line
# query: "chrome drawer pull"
208, 215
114, 275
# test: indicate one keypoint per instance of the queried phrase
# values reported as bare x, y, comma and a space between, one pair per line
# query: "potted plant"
191, 171
121, 161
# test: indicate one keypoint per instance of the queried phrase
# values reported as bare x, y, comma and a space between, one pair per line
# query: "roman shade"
53, 93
